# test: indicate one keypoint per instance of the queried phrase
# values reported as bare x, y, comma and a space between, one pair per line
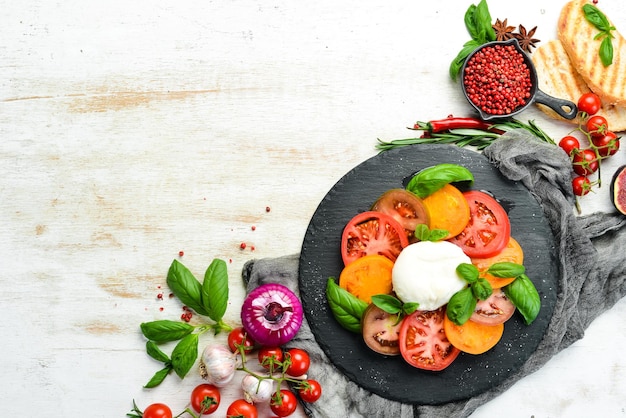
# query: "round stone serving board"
392, 377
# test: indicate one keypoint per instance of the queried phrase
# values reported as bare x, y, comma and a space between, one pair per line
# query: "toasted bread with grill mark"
558, 77
576, 35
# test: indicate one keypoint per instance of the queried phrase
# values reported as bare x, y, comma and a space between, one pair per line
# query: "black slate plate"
391, 377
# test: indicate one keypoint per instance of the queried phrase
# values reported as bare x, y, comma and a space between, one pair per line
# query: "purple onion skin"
271, 314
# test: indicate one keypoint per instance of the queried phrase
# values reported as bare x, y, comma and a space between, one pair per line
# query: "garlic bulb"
217, 365
255, 390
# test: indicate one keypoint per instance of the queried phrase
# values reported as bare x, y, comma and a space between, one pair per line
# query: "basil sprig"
601, 22
394, 306
209, 298
346, 308
423, 233
431, 179
524, 295
478, 23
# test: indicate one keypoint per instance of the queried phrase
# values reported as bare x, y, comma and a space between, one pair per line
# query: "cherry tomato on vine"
205, 399
311, 391
299, 362
581, 185
569, 143
597, 125
157, 410
589, 103
284, 403
585, 162
241, 409
607, 144
267, 353
238, 337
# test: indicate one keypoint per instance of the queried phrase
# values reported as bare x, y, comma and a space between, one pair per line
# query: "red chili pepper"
452, 123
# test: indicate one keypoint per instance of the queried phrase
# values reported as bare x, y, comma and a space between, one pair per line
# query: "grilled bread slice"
558, 77
577, 34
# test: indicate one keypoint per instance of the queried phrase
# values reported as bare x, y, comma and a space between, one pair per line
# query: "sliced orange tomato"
472, 337
512, 253
367, 276
448, 209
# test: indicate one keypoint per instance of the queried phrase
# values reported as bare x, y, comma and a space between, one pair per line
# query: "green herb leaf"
155, 352
185, 354
596, 17
346, 308
506, 269
422, 233
165, 330
606, 51
409, 307
215, 289
186, 287
470, 21
461, 306
481, 289
158, 377
431, 179
468, 272
388, 303
601, 22
459, 60
524, 295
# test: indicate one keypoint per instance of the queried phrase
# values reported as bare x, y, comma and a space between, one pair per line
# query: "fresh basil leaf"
185, 354
215, 290
437, 234
468, 272
506, 269
422, 232
524, 295
155, 352
388, 303
482, 17
186, 287
165, 330
410, 307
461, 306
346, 308
596, 17
606, 51
431, 179
481, 289
158, 377
459, 60
470, 22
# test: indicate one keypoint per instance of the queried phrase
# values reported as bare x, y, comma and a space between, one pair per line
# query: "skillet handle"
563, 107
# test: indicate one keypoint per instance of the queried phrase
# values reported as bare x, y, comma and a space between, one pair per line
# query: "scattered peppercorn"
181, 253
267, 209
242, 245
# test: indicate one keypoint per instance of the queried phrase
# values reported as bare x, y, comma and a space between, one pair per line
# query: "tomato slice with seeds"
371, 233
496, 309
488, 230
405, 207
423, 342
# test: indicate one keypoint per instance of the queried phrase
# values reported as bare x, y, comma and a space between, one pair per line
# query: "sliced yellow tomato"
512, 253
447, 209
472, 337
367, 276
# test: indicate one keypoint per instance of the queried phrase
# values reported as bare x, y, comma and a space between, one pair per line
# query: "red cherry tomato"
205, 399
585, 162
270, 356
372, 233
157, 410
589, 103
489, 229
423, 342
581, 185
239, 337
607, 144
284, 403
242, 409
569, 143
299, 362
597, 125
311, 391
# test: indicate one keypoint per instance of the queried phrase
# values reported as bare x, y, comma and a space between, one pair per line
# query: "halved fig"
381, 331
618, 190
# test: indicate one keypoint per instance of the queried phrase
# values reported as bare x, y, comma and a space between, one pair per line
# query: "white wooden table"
130, 131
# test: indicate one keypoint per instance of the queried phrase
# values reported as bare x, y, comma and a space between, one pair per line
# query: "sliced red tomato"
405, 207
372, 233
488, 230
423, 342
496, 309
381, 331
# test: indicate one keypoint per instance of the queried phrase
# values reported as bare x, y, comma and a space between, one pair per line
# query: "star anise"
503, 31
525, 39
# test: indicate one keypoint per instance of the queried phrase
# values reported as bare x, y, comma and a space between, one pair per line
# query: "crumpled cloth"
592, 278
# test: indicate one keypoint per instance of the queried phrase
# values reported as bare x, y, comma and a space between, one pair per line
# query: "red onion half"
271, 314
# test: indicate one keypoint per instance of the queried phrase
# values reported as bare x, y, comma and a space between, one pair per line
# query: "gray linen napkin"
593, 278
